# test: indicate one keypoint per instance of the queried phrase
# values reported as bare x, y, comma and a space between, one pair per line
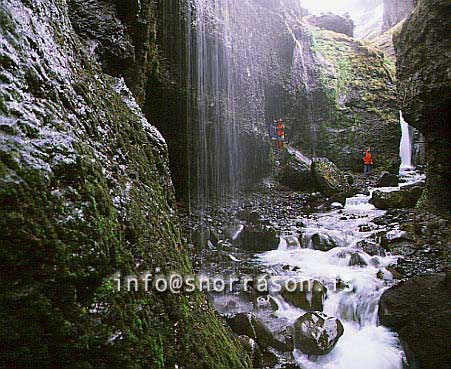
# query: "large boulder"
316, 333
295, 171
329, 179
247, 324
255, 239
387, 179
406, 197
323, 242
332, 22
252, 349
423, 78
306, 295
419, 311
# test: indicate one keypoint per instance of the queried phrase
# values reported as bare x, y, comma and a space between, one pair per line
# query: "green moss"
359, 99
86, 193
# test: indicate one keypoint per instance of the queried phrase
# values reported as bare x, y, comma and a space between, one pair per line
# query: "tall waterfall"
405, 149
228, 95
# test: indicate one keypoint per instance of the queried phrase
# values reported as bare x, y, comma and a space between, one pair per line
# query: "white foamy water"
405, 147
364, 344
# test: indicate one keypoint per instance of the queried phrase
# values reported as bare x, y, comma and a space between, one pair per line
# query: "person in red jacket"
280, 133
367, 162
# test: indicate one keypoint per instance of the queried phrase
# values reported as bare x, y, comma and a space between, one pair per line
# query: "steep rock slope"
424, 76
355, 103
85, 193
395, 11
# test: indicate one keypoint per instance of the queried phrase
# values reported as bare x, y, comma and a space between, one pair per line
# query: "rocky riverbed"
275, 231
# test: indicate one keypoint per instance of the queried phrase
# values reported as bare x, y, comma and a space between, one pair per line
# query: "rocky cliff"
395, 11
347, 103
424, 77
85, 193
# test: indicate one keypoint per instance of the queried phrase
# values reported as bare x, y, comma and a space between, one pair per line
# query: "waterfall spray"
405, 149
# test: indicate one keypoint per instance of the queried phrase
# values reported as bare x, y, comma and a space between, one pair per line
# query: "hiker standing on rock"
367, 162
280, 133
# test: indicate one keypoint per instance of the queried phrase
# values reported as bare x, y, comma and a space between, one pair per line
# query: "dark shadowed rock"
406, 197
371, 248
424, 77
316, 333
88, 192
252, 349
306, 295
256, 239
323, 242
387, 179
332, 22
419, 311
295, 171
355, 259
248, 325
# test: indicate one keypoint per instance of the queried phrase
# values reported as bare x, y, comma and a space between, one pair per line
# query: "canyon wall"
347, 103
424, 76
86, 192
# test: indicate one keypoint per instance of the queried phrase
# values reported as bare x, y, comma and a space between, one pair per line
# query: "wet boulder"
357, 260
330, 180
256, 239
387, 179
371, 248
316, 333
323, 242
295, 171
306, 295
249, 216
252, 349
292, 241
406, 197
333, 22
354, 257
419, 310
248, 325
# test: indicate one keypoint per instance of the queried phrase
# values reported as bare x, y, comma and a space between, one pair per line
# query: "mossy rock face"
85, 193
423, 79
353, 102
329, 178
405, 198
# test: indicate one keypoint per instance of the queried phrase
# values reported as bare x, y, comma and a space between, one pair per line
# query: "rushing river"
364, 343
343, 230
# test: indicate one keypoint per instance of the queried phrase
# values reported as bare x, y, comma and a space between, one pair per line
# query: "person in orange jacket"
280, 133
367, 162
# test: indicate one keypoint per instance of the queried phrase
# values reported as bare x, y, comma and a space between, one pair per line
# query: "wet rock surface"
329, 179
332, 22
316, 333
306, 295
406, 197
423, 78
295, 172
86, 192
249, 325
402, 232
387, 179
419, 310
